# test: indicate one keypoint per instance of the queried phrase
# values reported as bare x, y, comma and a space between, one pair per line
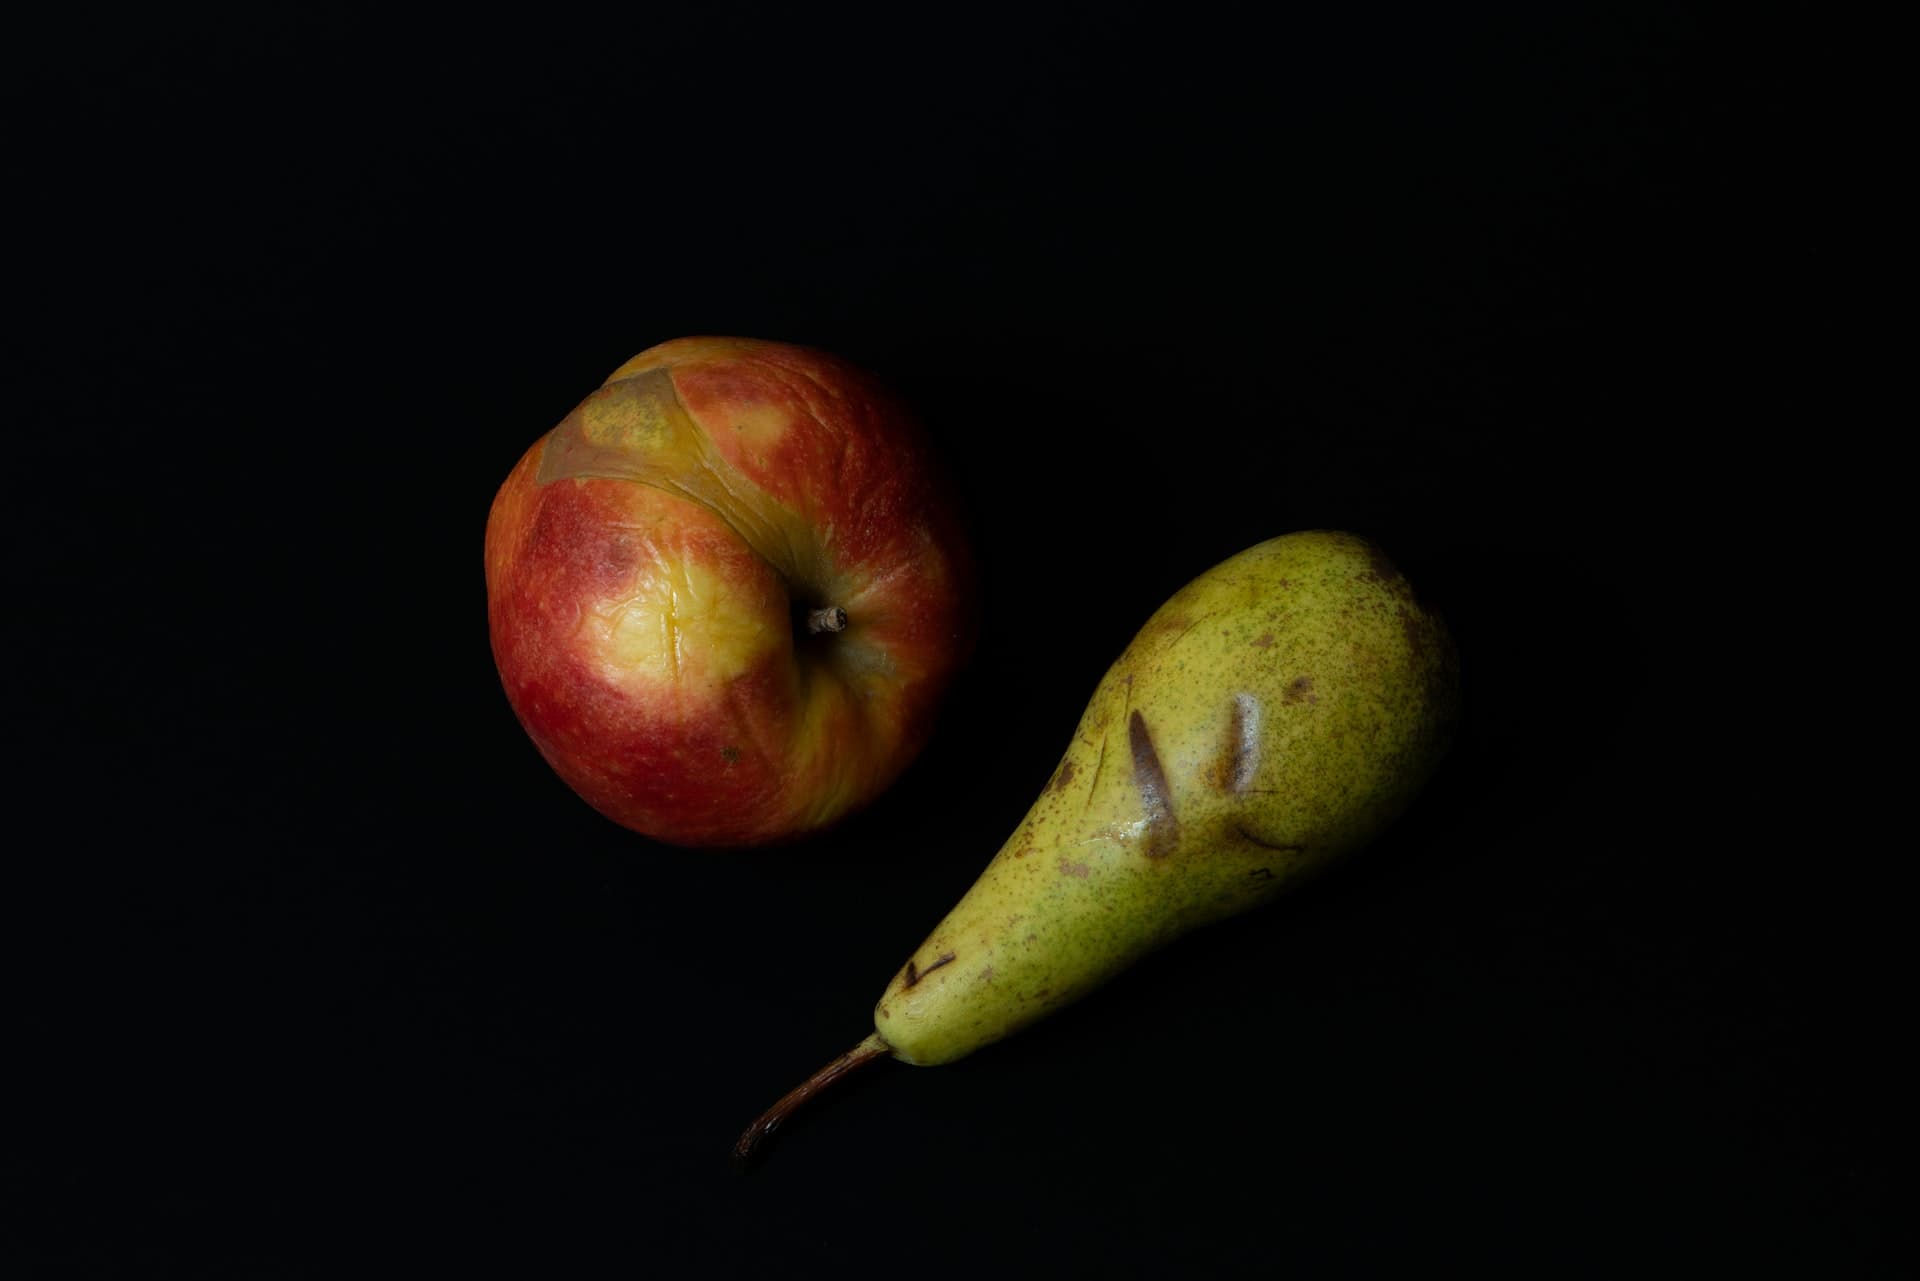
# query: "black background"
324, 968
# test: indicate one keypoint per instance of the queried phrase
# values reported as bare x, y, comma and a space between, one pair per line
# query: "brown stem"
859, 1056
829, 619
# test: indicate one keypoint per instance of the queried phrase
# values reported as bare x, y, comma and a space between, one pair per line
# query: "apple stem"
830, 619
858, 1057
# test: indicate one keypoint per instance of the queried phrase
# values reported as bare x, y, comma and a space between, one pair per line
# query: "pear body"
1276, 713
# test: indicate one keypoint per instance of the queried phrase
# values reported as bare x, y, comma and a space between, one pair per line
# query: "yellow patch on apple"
633, 430
761, 426
678, 622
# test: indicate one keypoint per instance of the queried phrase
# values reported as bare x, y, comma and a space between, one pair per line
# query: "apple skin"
649, 565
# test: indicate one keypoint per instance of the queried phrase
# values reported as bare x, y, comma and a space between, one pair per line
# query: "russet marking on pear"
1156, 797
914, 975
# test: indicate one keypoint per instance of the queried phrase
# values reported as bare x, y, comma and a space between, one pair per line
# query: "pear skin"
1275, 714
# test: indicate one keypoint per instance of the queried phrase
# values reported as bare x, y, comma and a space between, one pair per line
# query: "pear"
1275, 714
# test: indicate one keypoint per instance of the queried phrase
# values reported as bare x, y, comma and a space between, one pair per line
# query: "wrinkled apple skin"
650, 562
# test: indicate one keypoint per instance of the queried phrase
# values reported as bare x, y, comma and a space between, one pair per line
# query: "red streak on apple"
649, 562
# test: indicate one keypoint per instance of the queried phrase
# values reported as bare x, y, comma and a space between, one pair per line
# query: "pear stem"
858, 1057
831, 618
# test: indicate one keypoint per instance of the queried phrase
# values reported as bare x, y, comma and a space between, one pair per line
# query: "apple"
726, 593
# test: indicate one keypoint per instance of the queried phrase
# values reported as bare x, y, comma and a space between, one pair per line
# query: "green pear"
1276, 713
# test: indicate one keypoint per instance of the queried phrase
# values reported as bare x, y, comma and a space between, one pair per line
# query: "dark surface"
322, 964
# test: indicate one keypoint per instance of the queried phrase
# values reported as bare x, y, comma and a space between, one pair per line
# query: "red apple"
727, 591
